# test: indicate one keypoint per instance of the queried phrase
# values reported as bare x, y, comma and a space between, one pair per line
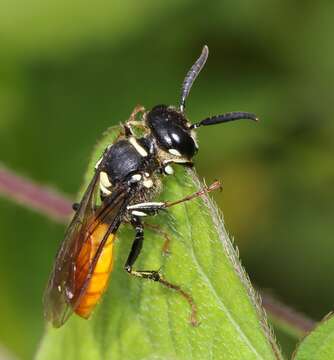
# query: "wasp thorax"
171, 131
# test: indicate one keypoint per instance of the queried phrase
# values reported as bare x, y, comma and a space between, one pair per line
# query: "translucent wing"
59, 299
56, 297
107, 219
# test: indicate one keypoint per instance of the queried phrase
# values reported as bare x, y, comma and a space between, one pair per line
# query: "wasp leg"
167, 240
205, 190
153, 274
132, 121
138, 109
146, 208
152, 208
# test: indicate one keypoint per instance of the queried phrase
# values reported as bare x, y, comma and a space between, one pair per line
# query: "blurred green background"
68, 70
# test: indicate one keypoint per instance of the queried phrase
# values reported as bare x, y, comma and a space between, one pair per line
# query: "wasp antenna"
231, 116
192, 75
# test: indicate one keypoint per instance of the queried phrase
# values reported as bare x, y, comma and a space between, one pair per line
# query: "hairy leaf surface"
139, 319
319, 344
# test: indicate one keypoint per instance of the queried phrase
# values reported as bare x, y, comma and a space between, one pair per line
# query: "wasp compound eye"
170, 129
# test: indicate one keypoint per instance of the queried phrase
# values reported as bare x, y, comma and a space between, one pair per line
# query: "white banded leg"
146, 208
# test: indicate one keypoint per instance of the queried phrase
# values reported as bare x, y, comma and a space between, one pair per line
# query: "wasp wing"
56, 300
106, 222
58, 296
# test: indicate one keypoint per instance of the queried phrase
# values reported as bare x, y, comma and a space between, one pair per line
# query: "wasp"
126, 181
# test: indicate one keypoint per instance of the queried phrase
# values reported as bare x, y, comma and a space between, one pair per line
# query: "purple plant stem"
283, 313
42, 199
57, 206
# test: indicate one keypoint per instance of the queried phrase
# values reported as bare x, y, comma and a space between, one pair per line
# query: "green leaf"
319, 344
140, 319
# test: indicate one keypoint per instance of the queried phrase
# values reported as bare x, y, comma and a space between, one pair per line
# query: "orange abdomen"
99, 278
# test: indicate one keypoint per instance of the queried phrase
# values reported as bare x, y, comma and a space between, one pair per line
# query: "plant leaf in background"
319, 344
140, 319
49, 29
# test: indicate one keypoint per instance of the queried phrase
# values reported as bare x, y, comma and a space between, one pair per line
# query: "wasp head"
173, 134
172, 131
